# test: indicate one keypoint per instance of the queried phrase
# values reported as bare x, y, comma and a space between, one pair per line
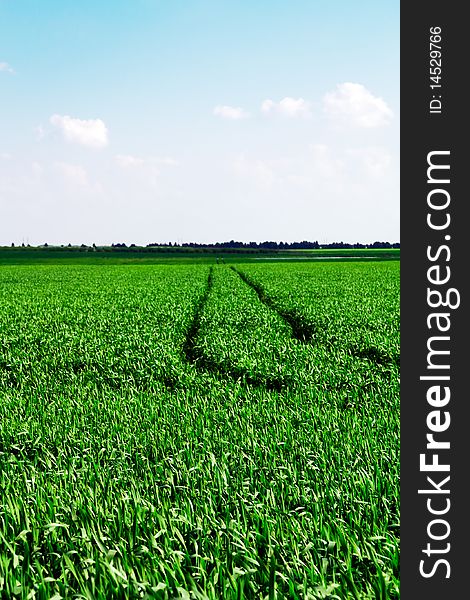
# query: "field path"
301, 331
194, 352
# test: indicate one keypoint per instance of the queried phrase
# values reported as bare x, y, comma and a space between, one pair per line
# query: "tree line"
232, 245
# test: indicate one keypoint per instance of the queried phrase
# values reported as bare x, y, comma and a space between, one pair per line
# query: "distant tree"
380, 245
13, 244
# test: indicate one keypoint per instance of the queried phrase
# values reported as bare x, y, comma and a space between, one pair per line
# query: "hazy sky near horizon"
143, 121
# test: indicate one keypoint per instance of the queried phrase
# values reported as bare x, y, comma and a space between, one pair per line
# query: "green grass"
197, 431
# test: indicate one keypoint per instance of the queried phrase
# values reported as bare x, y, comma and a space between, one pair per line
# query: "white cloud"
40, 132
268, 106
353, 103
326, 163
323, 170
375, 161
168, 161
288, 107
4, 66
74, 174
258, 170
37, 169
269, 173
127, 161
231, 112
91, 132
5, 156
144, 170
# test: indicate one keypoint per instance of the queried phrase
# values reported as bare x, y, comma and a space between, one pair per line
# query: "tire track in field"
306, 332
376, 356
190, 349
301, 331
195, 355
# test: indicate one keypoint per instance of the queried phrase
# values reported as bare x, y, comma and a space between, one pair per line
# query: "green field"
181, 255
199, 430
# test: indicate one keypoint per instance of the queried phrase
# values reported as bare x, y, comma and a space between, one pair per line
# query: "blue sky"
149, 120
